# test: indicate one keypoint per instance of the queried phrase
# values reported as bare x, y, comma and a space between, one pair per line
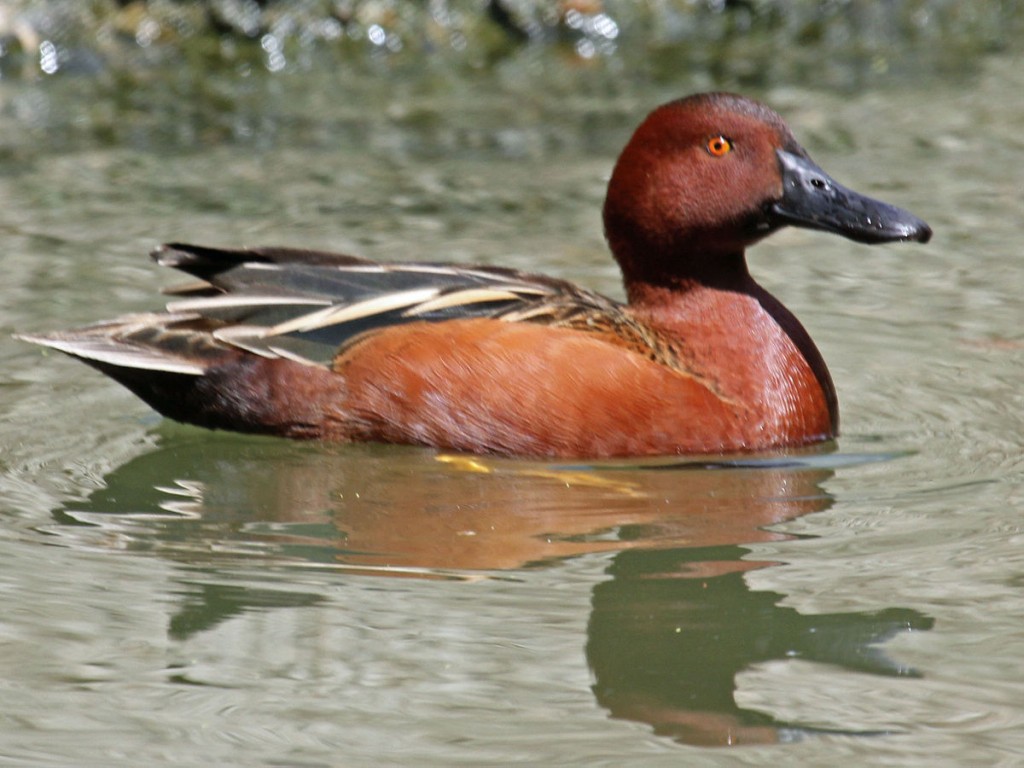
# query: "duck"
699, 359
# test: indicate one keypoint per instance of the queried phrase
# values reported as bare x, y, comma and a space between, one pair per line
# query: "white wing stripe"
229, 301
357, 311
461, 298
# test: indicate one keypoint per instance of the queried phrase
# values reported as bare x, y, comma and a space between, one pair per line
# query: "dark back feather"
311, 304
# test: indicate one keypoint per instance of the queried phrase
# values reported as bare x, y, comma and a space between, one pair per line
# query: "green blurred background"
166, 74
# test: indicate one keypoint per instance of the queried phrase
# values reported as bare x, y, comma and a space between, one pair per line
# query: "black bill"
814, 200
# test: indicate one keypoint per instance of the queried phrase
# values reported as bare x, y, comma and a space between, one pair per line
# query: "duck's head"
706, 176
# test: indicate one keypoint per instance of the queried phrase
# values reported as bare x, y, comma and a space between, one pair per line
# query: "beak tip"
915, 230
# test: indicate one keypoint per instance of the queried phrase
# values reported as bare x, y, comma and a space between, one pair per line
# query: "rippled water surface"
178, 596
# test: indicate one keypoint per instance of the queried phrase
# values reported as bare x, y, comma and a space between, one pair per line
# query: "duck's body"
701, 359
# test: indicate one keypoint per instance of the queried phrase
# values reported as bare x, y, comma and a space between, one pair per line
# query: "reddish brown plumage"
700, 360
524, 389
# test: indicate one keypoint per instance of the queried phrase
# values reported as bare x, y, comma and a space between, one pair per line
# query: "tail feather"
189, 378
127, 343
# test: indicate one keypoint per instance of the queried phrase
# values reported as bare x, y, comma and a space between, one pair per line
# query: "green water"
173, 596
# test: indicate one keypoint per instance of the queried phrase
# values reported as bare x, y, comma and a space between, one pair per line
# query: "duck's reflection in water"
668, 632
672, 630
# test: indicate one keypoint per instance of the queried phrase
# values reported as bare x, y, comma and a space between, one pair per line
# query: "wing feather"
306, 306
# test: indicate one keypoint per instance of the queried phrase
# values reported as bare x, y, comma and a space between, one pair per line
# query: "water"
176, 596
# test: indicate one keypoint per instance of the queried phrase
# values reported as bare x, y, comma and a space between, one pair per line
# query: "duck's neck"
738, 333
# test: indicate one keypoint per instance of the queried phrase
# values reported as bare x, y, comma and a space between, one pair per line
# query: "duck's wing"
309, 306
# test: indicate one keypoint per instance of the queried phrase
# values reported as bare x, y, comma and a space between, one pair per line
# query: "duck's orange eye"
718, 146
